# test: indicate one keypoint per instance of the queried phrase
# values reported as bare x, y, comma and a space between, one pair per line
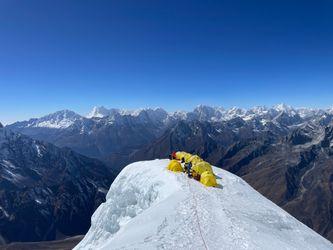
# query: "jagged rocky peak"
99, 112
143, 113
63, 114
204, 112
157, 113
283, 107
60, 119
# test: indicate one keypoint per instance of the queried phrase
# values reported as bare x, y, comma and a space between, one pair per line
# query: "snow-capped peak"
98, 112
330, 110
58, 120
282, 107
149, 207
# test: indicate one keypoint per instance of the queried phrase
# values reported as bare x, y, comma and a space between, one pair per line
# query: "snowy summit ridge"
148, 207
66, 119
204, 112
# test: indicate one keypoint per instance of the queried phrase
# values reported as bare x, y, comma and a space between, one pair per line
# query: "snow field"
149, 207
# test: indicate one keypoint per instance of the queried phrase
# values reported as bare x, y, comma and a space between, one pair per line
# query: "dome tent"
182, 154
175, 166
194, 159
208, 179
201, 167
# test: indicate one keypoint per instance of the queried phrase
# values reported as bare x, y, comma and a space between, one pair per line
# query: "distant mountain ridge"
66, 118
113, 135
204, 112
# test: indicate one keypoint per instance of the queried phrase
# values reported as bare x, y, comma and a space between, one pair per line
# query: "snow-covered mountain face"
46, 191
99, 112
215, 114
58, 120
153, 114
149, 207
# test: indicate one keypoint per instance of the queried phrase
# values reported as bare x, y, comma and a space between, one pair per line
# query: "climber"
172, 156
188, 169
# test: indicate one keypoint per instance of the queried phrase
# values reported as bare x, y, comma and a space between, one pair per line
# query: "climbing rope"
196, 213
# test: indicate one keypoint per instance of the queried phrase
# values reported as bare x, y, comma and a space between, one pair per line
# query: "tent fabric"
208, 179
201, 167
194, 159
175, 166
180, 155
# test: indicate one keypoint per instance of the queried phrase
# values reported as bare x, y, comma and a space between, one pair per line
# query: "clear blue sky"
173, 54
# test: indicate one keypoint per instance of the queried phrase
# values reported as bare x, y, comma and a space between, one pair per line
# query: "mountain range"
283, 152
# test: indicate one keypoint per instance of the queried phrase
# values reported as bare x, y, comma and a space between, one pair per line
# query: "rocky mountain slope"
110, 138
46, 192
149, 207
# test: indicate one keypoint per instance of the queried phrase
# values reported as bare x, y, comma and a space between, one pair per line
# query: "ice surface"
148, 207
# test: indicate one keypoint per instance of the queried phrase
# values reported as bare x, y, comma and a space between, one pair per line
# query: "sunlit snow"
149, 207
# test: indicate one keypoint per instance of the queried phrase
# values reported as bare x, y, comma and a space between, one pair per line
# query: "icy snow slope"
149, 207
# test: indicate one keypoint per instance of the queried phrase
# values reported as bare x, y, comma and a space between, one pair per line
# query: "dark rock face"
46, 192
298, 137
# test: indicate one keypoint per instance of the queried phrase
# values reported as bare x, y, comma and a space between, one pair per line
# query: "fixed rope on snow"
196, 213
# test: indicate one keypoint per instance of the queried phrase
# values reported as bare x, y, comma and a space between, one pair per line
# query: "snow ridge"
68, 119
215, 114
149, 207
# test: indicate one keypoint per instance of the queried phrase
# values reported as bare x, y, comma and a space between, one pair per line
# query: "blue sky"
173, 54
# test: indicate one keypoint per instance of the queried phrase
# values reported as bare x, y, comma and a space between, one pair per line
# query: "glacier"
149, 207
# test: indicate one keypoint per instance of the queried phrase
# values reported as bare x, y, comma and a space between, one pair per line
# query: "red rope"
196, 213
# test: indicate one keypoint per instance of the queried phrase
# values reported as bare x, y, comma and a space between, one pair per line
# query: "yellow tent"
201, 167
195, 159
181, 155
175, 166
208, 179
